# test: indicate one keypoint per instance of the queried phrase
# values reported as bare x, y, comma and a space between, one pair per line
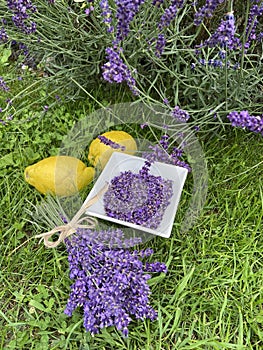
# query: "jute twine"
71, 227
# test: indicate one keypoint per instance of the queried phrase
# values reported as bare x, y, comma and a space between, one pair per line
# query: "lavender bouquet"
110, 281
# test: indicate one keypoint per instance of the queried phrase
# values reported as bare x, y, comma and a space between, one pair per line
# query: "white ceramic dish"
120, 162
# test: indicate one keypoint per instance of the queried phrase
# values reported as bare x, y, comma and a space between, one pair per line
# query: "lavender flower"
21, 16
126, 10
3, 85
160, 153
3, 35
206, 11
246, 121
107, 15
180, 114
138, 198
170, 13
111, 143
224, 36
116, 71
109, 283
160, 45
89, 10
255, 11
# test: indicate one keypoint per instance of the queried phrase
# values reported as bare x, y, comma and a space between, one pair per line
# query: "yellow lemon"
101, 150
59, 175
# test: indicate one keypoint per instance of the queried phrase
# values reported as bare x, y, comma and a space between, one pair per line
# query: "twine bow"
71, 227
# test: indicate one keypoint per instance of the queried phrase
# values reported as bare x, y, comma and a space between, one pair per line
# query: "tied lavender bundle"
110, 281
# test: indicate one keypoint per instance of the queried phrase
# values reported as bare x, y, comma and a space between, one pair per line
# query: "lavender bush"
201, 56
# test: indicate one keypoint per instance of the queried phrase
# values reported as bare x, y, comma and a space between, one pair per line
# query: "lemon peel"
59, 175
99, 153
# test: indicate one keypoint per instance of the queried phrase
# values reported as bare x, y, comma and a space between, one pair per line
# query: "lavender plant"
203, 57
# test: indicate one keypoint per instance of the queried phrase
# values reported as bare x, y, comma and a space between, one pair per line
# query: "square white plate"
120, 162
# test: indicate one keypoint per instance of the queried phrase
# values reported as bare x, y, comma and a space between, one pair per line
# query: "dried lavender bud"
138, 198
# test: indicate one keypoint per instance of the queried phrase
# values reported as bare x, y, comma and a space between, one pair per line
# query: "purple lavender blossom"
160, 45
21, 10
211, 63
3, 35
138, 198
89, 10
180, 114
109, 283
160, 153
107, 15
169, 14
246, 121
206, 11
111, 143
3, 85
126, 10
256, 10
116, 71
224, 36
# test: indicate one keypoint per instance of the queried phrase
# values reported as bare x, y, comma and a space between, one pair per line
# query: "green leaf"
6, 160
37, 305
5, 54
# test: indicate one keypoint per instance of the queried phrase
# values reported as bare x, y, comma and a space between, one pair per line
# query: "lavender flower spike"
180, 114
116, 71
111, 143
246, 121
206, 11
224, 36
3, 85
126, 10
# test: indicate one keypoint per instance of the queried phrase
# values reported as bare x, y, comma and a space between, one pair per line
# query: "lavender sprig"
110, 284
126, 10
107, 15
169, 14
21, 10
111, 143
3, 35
206, 11
3, 85
256, 10
224, 37
160, 153
115, 70
180, 114
246, 121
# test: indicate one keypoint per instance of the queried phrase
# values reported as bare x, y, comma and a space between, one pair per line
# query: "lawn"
211, 297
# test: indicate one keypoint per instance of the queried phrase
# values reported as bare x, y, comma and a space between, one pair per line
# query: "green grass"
212, 296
